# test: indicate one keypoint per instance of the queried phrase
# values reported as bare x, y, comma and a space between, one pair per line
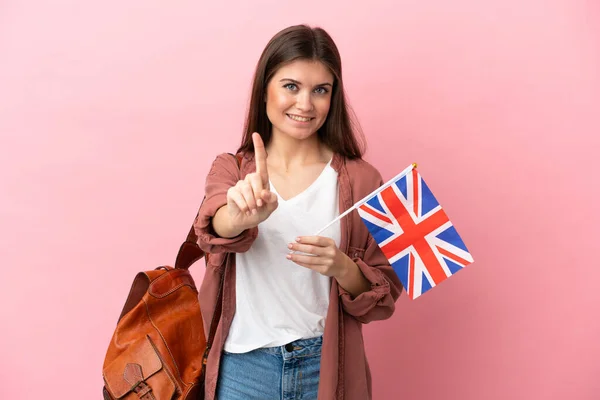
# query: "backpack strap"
189, 251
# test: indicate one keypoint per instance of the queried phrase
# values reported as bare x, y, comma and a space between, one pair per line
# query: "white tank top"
277, 300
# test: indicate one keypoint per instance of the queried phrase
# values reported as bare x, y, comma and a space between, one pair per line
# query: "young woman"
293, 303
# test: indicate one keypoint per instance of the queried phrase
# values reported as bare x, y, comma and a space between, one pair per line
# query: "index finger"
260, 156
314, 240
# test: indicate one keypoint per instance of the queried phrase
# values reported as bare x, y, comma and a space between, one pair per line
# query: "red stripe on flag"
431, 262
375, 214
414, 234
452, 256
393, 203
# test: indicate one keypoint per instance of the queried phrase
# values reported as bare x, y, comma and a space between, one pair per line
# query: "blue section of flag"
425, 285
401, 185
451, 236
428, 201
379, 234
452, 266
401, 269
374, 202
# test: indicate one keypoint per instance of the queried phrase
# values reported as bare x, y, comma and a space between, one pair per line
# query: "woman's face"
298, 98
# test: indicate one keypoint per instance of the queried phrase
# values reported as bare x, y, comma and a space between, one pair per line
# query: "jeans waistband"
298, 348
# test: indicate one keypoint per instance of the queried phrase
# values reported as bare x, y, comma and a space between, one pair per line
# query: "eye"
290, 86
321, 90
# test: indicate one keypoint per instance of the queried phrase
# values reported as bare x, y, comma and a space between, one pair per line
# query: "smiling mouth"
299, 119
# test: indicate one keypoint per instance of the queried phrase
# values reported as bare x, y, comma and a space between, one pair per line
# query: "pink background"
111, 113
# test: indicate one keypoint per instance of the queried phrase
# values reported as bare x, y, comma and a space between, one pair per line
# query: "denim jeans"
289, 372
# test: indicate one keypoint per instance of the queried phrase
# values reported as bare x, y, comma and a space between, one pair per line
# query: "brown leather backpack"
159, 349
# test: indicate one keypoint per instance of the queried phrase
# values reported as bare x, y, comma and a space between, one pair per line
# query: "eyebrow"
299, 83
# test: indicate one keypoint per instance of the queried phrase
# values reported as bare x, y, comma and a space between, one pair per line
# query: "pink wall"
111, 112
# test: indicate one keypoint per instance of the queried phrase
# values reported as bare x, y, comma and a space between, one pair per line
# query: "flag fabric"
414, 233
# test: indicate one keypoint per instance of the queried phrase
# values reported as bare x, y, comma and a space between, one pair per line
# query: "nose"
304, 101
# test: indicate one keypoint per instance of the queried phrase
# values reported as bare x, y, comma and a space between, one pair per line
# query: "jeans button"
289, 348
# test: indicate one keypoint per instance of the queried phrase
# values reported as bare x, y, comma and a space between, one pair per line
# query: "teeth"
300, 119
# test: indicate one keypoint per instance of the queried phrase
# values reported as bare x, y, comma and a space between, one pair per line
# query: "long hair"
301, 42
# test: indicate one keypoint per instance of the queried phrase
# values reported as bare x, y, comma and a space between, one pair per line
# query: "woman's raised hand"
250, 201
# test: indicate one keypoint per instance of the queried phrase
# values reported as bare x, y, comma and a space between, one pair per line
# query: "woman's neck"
287, 152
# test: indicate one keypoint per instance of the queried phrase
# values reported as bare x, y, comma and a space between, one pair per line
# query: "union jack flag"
414, 233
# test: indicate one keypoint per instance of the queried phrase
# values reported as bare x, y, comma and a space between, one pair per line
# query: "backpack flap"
138, 370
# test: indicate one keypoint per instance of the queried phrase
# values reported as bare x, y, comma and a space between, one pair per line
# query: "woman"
293, 303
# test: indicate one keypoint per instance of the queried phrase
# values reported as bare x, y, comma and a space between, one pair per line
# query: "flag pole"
369, 196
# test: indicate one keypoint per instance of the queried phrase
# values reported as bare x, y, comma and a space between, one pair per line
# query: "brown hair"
300, 42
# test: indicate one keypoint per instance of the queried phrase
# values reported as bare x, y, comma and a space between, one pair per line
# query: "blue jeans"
289, 372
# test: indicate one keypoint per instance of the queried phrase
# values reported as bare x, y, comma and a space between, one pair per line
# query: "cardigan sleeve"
224, 173
378, 302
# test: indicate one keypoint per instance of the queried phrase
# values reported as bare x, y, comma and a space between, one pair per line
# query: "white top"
277, 300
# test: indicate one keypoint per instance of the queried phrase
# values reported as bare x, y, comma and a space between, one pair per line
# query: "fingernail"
289, 256
259, 203
290, 246
254, 212
297, 239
